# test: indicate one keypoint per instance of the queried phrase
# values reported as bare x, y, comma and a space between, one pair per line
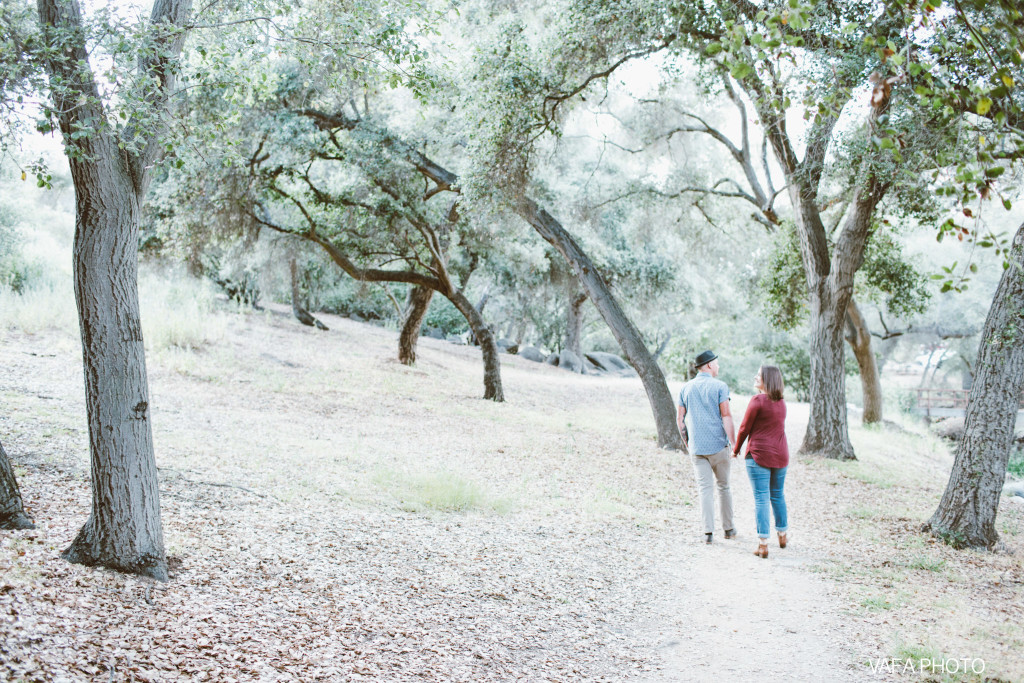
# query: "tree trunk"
298, 310
859, 337
574, 333
12, 511
415, 311
622, 328
123, 531
488, 345
827, 432
966, 516
829, 276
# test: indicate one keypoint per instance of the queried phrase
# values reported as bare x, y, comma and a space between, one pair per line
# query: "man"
706, 399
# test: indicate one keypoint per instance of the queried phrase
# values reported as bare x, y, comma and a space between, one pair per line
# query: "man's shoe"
707, 538
730, 533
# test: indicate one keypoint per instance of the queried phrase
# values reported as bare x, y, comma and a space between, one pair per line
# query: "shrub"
443, 315
39, 308
367, 300
1015, 466
177, 312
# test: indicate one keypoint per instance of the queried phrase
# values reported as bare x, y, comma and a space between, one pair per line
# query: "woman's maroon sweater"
765, 425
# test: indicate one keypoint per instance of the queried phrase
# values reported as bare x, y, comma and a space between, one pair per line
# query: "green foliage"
14, 272
891, 280
782, 283
791, 355
443, 315
364, 299
886, 277
34, 237
951, 537
948, 78
1015, 465
793, 360
20, 75
177, 313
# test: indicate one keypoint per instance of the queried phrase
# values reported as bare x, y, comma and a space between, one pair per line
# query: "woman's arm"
748, 422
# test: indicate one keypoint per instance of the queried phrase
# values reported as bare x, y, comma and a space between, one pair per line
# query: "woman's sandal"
782, 539
762, 551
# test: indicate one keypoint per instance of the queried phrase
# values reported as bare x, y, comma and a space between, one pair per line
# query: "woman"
767, 453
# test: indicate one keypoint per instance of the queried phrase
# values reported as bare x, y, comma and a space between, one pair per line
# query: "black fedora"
705, 358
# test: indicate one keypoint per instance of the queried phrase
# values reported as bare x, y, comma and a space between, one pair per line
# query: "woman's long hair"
771, 378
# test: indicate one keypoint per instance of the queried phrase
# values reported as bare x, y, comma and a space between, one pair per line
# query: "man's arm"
730, 431
680, 414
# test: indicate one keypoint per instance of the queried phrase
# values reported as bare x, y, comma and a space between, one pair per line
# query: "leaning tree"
981, 47
967, 512
336, 187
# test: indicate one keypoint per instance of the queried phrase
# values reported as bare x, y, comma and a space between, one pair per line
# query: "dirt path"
731, 614
751, 620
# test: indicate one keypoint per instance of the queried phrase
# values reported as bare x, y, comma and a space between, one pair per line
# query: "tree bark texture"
859, 337
12, 510
827, 432
415, 312
123, 531
574, 324
618, 322
966, 516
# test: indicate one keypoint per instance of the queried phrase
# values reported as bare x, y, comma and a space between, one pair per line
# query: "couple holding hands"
706, 400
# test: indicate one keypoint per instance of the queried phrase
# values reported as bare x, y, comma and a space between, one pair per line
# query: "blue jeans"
767, 483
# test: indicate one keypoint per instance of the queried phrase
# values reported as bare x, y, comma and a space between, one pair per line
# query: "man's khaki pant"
712, 469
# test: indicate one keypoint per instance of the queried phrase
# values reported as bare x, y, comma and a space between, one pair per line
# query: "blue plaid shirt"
701, 397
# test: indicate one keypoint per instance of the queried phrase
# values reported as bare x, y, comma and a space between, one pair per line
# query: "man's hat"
705, 358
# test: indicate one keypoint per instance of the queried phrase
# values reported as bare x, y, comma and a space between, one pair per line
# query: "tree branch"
551, 102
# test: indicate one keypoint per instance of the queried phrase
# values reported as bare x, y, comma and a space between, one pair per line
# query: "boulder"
456, 339
951, 428
552, 359
1013, 488
567, 360
507, 345
590, 369
608, 362
532, 353
611, 363
433, 333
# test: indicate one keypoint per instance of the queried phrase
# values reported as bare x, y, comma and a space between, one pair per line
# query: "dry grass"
381, 520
